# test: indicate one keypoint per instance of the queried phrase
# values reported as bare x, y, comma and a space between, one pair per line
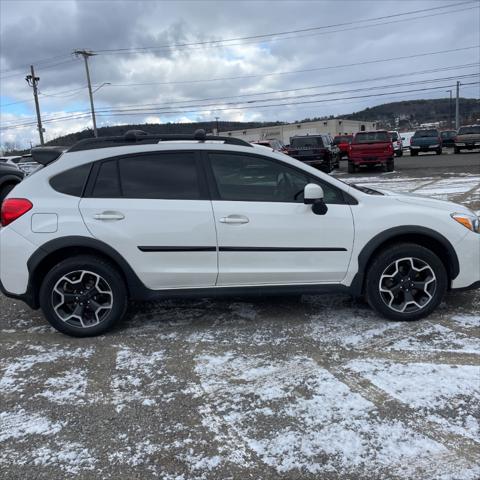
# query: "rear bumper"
370, 160
426, 148
15, 251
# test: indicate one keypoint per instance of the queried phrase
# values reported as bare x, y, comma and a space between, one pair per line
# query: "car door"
266, 234
154, 210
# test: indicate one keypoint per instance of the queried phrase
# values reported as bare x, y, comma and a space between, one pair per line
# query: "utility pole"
450, 109
216, 120
457, 108
85, 54
32, 80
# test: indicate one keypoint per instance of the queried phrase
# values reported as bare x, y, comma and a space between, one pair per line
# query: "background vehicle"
406, 137
11, 160
273, 143
27, 165
397, 143
343, 143
448, 138
427, 140
468, 138
10, 176
371, 148
152, 218
319, 151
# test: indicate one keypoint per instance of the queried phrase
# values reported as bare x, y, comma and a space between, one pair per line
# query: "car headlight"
470, 221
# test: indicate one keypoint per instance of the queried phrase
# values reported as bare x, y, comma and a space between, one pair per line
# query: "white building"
285, 132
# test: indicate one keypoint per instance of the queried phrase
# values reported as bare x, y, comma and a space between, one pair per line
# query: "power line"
289, 72
368, 62
78, 115
288, 32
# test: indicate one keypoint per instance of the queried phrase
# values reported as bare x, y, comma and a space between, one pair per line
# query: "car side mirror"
403, 138
313, 195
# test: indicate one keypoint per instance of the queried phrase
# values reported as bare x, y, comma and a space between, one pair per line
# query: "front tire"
390, 165
399, 153
406, 282
83, 296
456, 150
439, 151
351, 167
413, 153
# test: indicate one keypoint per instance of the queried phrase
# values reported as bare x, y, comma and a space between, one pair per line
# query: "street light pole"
85, 54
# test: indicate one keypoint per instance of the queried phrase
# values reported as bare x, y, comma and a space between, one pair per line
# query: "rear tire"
405, 276
413, 153
439, 151
83, 296
390, 165
456, 150
351, 167
399, 153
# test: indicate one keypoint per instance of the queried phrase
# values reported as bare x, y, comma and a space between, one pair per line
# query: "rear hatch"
371, 145
305, 148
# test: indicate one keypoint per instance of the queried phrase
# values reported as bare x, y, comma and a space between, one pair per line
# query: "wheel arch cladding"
423, 236
54, 251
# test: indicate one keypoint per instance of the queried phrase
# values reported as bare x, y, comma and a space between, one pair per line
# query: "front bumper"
468, 145
468, 253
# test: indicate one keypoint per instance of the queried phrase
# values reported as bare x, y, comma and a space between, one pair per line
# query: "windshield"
426, 133
372, 137
469, 130
306, 142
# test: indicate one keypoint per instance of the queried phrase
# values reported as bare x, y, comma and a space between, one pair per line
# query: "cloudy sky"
182, 61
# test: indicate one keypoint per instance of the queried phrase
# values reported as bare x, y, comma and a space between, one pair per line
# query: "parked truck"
371, 148
468, 138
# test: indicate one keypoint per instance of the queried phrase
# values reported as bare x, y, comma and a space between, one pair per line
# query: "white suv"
149, 216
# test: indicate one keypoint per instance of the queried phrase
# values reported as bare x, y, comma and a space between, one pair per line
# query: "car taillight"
14, 208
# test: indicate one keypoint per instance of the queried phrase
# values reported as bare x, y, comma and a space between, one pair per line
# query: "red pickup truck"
371, 148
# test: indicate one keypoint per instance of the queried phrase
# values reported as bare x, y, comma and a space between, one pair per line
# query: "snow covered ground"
270, 388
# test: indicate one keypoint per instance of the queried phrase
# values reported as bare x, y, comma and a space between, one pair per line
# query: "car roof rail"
139, 137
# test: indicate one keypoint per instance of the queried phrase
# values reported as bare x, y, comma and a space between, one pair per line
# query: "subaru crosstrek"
143, 217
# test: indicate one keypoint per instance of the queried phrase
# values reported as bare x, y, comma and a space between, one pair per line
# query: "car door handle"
234, 219
109, 216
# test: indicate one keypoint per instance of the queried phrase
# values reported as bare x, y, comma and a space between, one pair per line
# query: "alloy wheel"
82, 298
407, 285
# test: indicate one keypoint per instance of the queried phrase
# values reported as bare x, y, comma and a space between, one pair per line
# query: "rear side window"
71, 182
